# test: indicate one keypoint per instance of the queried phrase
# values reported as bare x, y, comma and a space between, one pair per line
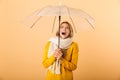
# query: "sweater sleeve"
71, 65
47, 61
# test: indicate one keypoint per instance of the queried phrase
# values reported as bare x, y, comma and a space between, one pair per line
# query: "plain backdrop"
21, 48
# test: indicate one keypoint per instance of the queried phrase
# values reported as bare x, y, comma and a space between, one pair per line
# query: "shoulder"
75, 46
74, 43
47, 44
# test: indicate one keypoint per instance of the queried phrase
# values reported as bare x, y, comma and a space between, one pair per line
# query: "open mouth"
63, 33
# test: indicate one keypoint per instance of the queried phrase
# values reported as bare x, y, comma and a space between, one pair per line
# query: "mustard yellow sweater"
68, 63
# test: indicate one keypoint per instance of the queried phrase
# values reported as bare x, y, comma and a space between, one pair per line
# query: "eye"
67, 27
61, 26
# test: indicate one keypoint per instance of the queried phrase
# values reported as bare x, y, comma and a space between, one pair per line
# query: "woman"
60, 62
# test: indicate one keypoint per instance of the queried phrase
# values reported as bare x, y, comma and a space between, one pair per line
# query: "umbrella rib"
90, 23
35, 22
38, 18
53, 24
73, 24
71, 20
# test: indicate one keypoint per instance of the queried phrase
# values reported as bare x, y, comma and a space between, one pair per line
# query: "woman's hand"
58, 54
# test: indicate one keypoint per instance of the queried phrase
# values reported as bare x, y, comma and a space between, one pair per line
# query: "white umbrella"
59, 11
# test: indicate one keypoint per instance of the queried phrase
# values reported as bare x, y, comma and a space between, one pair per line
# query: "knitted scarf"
64, 44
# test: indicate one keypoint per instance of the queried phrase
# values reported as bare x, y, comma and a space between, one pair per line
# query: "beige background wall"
21, 48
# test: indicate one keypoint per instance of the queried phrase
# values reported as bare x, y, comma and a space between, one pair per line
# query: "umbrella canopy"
59, 11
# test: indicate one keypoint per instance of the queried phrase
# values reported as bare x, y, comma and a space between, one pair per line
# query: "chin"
64, 37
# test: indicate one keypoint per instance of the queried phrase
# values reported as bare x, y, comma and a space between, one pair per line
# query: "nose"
64, 29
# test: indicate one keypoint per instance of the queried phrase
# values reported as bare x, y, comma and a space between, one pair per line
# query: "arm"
47, 61
71, 65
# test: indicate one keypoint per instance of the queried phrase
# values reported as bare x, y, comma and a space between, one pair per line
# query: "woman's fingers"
58, 53
59, 50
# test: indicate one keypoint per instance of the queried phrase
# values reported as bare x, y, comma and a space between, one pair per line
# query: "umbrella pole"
59, 32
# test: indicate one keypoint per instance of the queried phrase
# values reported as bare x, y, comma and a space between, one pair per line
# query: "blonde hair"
70, 27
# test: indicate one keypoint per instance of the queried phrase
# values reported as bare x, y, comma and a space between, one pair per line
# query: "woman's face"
64, 30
